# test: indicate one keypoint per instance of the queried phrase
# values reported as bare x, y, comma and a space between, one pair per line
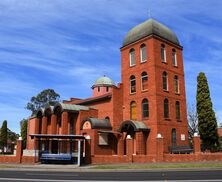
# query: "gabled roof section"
95, 99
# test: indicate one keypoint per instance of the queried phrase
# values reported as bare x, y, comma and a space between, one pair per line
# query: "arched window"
132, 84
163, 53
58, 113
176, 84
166, 108
144, 81
107, 89
71, 125
174, 137
133, 110
145, 108
98, 89
143, 53
107, 118
165, 80
174, 57
177, 110
132, 57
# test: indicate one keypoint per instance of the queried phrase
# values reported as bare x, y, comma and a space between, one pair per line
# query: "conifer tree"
4, 135
207, 124
24, 124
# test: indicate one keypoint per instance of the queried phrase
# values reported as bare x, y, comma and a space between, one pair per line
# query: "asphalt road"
159, 175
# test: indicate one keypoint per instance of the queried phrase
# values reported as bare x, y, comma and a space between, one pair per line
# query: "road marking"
51, 180
48, 174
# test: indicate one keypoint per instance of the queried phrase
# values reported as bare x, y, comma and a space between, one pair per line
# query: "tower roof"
103, 81
150, 27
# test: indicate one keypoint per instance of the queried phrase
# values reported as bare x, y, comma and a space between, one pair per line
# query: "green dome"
103, 81
150, 27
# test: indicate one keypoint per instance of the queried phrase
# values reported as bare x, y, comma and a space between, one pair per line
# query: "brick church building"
123, 118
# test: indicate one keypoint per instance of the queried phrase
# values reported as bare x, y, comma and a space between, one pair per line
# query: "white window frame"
141, 54
164, 53
174, 56
103, 139
142, 81
178, 85
130, 56
131, 80
167, 86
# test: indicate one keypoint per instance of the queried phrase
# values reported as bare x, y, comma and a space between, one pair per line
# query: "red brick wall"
31, 129
104, 159
165, 126
101, 92
8, 159
117, 107
220, 132
155, 94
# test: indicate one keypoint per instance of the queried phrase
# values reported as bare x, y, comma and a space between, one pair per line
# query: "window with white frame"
144, 81
174, 57
132, 84
145, 108
163, 53
176, 84
103, 138
132, 57
143, 55
165, 80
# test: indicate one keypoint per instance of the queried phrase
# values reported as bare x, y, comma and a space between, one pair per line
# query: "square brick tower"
153, 84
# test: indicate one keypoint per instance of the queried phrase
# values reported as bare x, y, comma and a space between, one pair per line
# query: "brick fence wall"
160, 155
129, 158
18, 158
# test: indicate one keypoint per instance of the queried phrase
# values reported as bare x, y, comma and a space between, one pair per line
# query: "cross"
149, 13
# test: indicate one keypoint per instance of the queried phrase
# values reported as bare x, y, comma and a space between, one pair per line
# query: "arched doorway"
129, 129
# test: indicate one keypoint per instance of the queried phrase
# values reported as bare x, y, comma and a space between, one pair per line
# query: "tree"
44, 98
12, 136
207, 124
24, 124
4, 135
192, 121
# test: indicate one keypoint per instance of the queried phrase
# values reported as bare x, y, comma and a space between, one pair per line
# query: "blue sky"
67, 44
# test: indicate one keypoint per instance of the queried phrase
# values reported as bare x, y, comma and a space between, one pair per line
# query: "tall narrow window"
145, 108
176, 84
166, 108
98, 89
144, 81
107, 89
132, 57
132, 84
165, 80
174, 57
163, 53
177, 110
174, 137
143, 53
133, 110
71, 128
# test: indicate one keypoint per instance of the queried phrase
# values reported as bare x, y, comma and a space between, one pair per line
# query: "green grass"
3, 166
161, 166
